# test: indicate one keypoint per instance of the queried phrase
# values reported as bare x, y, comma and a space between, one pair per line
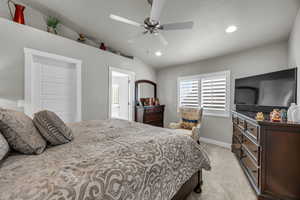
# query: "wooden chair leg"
198, 188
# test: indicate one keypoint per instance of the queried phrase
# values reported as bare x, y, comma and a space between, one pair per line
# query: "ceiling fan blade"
157, 7
139, 35
162, 39
125, 20
178, 26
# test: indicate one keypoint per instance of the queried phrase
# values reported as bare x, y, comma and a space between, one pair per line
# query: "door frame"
29, 82
131, 75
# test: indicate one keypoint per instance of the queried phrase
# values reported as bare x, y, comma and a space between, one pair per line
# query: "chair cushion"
20, 133
183, 132
189, 118
4, 148
52, 128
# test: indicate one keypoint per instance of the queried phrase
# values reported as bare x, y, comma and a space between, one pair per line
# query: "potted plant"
52, 23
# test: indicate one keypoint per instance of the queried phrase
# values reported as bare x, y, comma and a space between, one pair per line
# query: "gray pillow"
20, 132
4, 148
52, 128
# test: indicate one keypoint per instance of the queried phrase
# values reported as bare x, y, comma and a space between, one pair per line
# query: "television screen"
273, 89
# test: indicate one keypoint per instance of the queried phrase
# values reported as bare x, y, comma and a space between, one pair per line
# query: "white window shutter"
209, 91
213, 93
189, 93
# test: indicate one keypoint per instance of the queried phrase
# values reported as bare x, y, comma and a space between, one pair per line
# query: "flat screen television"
267, 91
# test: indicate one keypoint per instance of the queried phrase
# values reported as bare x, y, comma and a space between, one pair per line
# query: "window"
189, 93
210, 91
115, 94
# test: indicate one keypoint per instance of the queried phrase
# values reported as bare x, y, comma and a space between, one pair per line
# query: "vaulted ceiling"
258, 21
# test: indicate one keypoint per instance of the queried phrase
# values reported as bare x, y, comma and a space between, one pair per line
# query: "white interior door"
54, 86
121, 94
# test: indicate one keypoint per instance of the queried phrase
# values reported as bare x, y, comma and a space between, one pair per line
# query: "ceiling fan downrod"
150, 2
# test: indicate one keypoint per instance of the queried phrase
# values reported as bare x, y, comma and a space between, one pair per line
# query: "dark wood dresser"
153, 115
269, 154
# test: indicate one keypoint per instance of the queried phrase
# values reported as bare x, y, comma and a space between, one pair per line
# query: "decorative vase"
103, 47
296, 114
290, 112
51, 30
19, 13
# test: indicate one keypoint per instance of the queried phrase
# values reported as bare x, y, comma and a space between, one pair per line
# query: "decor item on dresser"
293, 113
147, 108
290, 111
20, 132
268, 153
190, 122
18, 17
52, 128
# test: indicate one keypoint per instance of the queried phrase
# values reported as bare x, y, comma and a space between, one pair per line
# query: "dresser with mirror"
147, 107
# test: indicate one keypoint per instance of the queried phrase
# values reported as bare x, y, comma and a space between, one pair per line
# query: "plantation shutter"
214, 93
189, 93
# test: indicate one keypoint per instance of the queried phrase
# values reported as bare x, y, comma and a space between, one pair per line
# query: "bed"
107, 160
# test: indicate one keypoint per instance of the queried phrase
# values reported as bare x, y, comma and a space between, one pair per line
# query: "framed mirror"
144, 90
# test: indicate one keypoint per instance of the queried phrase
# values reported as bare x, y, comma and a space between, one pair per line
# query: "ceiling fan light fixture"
231, 29
158, 53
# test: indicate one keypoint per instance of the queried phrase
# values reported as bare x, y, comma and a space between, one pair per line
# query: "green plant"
52, 22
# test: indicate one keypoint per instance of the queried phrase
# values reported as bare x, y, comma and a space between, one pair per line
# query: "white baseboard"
215, 142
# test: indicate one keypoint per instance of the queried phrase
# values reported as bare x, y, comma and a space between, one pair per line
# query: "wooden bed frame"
193, 184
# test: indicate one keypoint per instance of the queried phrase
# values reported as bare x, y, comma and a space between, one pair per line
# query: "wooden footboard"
193, 184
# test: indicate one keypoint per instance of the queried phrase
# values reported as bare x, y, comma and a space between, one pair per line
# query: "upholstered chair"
190, 122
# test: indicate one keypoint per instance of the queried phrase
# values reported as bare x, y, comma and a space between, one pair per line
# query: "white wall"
36, 19
294, 49
95, 69
260, 60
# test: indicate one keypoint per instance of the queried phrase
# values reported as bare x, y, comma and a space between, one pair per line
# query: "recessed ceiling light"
231, 29
158, 53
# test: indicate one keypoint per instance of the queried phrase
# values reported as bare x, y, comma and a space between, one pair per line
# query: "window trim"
226, 113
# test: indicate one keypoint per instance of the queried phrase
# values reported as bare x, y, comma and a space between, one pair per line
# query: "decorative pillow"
20, 133
4, 148
188, 124
52, 128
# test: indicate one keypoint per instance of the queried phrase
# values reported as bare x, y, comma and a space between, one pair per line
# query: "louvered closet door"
55, 88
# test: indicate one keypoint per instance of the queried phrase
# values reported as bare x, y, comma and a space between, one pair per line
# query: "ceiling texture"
259, 22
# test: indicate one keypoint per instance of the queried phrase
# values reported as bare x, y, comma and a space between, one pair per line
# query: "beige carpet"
226, 180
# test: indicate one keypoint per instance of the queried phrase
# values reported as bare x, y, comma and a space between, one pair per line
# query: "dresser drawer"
252, 130
251, 147
241, 123
234, 119
236, 147
155, 123
237, 133
153, 117
157, 109
250, 167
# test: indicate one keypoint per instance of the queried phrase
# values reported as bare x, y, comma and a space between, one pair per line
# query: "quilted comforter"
107, 160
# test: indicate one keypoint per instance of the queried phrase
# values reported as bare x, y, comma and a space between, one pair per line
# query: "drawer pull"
251, 129
254, 171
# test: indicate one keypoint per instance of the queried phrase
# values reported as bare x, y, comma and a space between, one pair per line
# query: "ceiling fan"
152, 24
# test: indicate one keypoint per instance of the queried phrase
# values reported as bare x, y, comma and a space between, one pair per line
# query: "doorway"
121, 90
